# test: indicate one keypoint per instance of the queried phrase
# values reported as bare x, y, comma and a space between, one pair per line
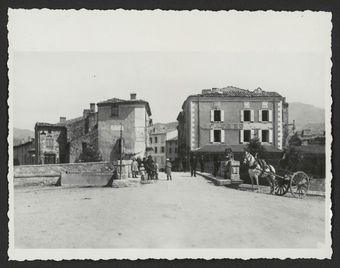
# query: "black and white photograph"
169, 134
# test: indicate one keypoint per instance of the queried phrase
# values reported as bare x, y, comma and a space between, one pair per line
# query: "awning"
236, 148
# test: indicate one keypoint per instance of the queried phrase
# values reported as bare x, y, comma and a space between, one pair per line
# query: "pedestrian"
168, 167
134, 168
156, 170
149, 167
142, 172
193, 165
139, 161
202, 163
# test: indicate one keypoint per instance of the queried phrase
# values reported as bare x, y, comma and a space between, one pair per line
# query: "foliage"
90, 155
291, 159
254, 146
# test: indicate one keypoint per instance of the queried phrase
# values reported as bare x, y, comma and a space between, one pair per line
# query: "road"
183, 213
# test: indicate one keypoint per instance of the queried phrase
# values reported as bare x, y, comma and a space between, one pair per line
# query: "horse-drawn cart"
296, 182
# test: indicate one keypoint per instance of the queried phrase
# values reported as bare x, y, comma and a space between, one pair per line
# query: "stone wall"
57, 169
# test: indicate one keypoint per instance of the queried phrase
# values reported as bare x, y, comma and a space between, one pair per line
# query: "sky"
60, 61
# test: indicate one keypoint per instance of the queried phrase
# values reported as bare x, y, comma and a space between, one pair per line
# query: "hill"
307, 116
21, 134
166, 126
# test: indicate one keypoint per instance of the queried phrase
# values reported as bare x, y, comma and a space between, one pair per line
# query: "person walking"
168, 167
193, 165
134, 168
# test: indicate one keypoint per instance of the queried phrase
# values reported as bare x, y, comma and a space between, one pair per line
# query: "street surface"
183, 213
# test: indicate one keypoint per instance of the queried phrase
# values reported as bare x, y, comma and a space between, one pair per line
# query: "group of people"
148, 169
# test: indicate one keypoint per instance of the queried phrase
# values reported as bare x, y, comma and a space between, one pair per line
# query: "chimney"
85, 113
62, 119
133, 96
92, 107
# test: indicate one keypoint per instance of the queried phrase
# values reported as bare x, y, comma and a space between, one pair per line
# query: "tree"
254, 146
90, 155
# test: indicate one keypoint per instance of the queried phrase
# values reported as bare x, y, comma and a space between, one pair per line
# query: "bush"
254, 146
90, 155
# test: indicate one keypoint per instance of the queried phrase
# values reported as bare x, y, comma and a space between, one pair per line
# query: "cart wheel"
299, 184
281, 186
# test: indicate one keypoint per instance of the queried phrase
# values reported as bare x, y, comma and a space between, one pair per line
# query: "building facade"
100, 130
232, 116
159, 135
24, 153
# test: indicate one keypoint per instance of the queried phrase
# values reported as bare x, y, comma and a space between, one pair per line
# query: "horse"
256, 170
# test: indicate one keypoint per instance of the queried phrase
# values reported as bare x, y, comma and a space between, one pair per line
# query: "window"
155, 150
265, 115
150, 140
217, 135
156, 140
246, 116
83, 145
115, 110
170, 151
265, 136
49, 142
246, 135
162, 149
217, 115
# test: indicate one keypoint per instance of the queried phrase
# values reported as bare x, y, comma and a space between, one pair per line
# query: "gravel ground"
183, 213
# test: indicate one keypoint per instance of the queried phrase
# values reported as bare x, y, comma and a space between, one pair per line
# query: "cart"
297, 182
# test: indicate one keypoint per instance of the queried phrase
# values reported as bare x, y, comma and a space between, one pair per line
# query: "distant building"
172, 151
24, 153
100, 130
159, 135
219, 118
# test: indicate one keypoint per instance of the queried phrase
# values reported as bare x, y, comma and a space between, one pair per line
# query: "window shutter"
252, 133
252, 115
260, 115
211, 135
222, 135
242, 118
270, 136
222, 115
241, 136
270, 115
212, 115
260, 135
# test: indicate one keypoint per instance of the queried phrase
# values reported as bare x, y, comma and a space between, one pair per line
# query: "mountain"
21, 134
307, 116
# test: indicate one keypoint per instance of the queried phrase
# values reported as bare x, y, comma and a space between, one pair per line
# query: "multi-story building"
231, 117
159, 135
100, 130
172, 151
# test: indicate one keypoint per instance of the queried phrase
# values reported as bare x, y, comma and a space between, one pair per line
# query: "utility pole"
120, 151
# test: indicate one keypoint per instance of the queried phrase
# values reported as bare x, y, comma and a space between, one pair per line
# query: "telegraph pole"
120, 151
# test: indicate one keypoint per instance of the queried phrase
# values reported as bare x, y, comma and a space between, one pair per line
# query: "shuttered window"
216, 115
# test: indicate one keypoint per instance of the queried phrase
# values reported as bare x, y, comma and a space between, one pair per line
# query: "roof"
121, 101
24, 143
173, 139
42, 124
67, 122
220, 148
231, 91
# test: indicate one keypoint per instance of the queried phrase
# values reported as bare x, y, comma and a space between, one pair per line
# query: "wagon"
297, 182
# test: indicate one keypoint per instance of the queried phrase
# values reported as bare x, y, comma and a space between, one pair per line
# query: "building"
172, 152
100, 130
159, 135
24, 153
221, 118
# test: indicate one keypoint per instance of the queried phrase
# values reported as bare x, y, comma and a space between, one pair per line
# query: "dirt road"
183, 213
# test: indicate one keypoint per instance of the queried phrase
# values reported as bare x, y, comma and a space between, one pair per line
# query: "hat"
167, 159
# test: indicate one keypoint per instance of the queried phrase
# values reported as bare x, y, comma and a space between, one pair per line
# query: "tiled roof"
116, 100
43, 124
231, 91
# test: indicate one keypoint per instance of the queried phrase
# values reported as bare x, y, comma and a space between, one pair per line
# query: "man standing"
168, 167
193, 165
